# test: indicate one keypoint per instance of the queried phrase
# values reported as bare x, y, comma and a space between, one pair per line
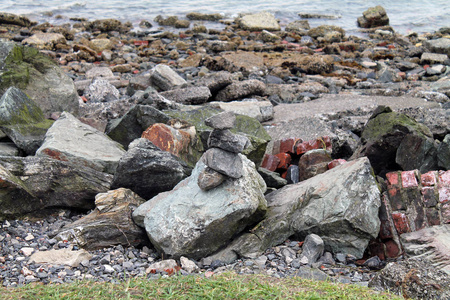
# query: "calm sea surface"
405, 15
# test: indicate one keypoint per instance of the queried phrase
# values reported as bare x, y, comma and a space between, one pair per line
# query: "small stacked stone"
222, 158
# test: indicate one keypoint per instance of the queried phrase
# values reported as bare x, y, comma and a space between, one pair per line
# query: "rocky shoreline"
317, 95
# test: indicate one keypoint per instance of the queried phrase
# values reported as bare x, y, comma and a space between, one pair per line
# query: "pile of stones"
222, 158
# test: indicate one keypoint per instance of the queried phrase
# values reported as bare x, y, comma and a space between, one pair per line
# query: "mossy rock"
39, 77
245, 125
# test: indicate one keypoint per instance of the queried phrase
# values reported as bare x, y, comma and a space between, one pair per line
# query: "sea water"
405, 15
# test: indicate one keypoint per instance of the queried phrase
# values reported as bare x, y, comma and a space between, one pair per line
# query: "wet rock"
109, 224
269, 37
259, 21
414, 279
147, 170
203, 17
323, 30
164, 78
300, 26
45, 183
71, 140
169, 21
131, 126
22, 120
209, 179
294, 211
106, 25
373, 17
433, 58
224, 162
100, 90
100, 45
38, 77
7, 18
66, 256
430, 244
313, 162
191, 95
196, 222
272, 179
45, 41
312, 249
441, 45
241, 89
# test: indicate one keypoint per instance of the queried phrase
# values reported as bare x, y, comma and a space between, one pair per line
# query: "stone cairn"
222, 157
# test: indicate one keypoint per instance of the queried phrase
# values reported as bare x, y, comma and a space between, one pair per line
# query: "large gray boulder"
147, 170
22, 120
191, 222
39, 77
109, 224
373, 17
340, 205
71, 140
165, 78
33, 184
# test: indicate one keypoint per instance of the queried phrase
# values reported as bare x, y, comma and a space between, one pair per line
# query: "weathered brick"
411, 195
409, 179
430, 196
287, 145
445, 213
444, 178
386, 230
285, 160
395, 198
444, 194
335, 163
320, 143
401, 222
393, 250
392, 178
428, 179
433, 216
419, 217
270, 162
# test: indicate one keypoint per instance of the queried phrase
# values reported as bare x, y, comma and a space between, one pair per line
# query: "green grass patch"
224, 286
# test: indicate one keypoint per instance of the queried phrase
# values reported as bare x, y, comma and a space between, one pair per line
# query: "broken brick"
444, 194
393, 250
428, 179
285, 160
304, 147
270, 162
392, 178
444, 178
287, 145
335, 163
409, 179
401, 222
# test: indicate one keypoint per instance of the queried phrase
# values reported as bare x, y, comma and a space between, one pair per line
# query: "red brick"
304, 147
429, 196
409, 179
335, 163
445, 213
392, 178
401, 222
395, 198
428, 179
393, 250
270, 162
433, 217
287, 145
444, 194
285, 160
444, 178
